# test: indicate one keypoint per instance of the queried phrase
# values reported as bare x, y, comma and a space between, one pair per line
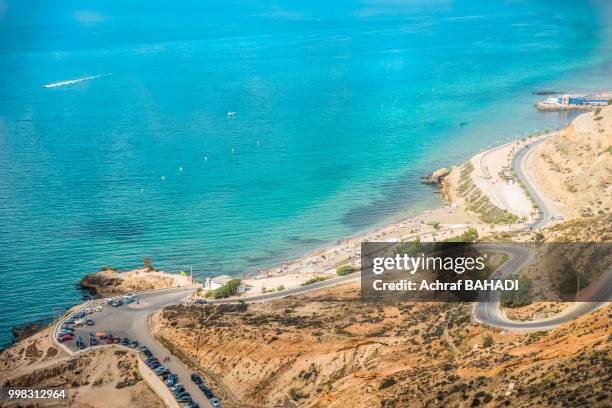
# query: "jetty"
575, 102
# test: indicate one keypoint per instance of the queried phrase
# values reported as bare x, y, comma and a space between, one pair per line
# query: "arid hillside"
574, 169
330, 349
103, 378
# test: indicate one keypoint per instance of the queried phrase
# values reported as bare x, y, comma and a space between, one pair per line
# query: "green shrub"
487, 341
314, 280
520, 297
344, 270
410, 248
227, 290
470, 235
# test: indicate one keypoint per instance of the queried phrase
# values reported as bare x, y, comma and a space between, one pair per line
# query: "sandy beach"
435, 224
575, 187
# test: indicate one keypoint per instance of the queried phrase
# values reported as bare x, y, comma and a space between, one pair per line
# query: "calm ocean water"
340, 108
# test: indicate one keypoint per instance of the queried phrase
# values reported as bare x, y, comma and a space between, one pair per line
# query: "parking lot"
129, 321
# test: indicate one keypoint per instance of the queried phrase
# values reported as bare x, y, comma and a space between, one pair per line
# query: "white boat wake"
74, 81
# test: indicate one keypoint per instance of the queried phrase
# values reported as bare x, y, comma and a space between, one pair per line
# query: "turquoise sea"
339, 108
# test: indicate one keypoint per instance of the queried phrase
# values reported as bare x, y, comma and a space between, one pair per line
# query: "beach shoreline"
436, 223
433, 224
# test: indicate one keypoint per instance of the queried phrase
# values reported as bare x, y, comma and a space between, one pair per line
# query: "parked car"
78, 315
184, 398
196, 378
116, 303
69, 321
161, 370
87, 310
93, 341
183, 394
79, 322
215, 402
98, 308
177, 388
129, 295
192, 405
80, 343
116, 340
65, 337
171, 380
134, 344
130, 300
125, 341
206, 390
200, 302
90, 322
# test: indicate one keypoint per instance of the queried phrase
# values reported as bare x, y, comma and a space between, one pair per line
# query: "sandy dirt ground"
574, 169
329, 349
489, 169
99, 378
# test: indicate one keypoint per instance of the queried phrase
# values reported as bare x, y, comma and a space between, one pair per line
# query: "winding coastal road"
131, 320
518, 164
489, 310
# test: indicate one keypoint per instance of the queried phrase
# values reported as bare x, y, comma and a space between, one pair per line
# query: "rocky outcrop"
109, 282
436, 177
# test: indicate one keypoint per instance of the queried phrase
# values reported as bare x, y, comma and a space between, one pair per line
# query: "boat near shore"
575, 102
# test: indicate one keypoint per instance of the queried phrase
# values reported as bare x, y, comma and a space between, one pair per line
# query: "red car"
65, 337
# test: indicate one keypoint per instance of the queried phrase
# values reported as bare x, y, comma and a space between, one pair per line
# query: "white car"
98, 308
215, 402
87, 310
79, 322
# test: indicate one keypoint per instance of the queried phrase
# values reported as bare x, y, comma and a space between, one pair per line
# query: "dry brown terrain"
330, 349
100, 378
574, 168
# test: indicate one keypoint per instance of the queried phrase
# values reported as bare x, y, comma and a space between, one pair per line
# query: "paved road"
518, 164
130, 320
489, 312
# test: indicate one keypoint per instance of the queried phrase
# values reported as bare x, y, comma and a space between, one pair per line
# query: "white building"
215, 283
